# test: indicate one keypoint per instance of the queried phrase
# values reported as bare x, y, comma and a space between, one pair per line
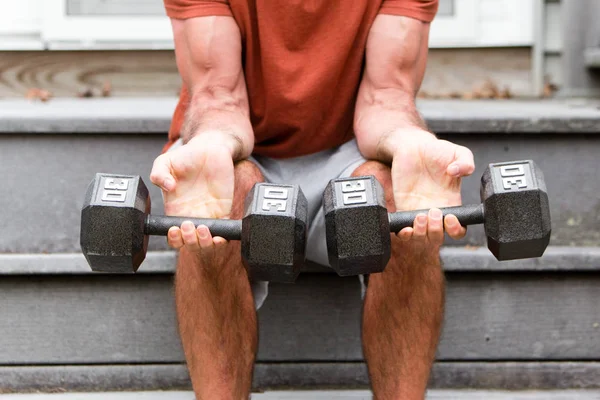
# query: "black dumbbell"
115, 224
514, 211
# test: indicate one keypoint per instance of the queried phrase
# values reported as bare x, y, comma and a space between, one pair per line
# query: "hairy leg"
402, 311
215, 310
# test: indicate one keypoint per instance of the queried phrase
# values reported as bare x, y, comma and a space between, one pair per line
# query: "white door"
483, 23
106, 24
20, 25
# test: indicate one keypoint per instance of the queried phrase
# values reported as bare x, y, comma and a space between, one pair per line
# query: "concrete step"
153, 115
323, 395
528, 324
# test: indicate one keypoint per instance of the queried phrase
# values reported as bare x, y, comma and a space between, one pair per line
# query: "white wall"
97, 24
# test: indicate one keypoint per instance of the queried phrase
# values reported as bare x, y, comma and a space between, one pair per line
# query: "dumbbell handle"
470, 214
230, 229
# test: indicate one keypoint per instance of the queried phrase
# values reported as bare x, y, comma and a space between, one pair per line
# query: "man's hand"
427, 172
197, 180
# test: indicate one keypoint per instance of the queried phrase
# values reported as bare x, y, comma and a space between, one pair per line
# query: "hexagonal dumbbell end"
357, 226
274, 230
112, 223
517, 213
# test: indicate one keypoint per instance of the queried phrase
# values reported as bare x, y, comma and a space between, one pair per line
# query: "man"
303, 91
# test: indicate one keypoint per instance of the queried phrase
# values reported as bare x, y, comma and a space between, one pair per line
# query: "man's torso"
302, 63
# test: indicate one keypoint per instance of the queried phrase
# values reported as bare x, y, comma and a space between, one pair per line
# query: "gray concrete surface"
153, 115
298, 375
580, 32
555, 258
125, 319
323, 395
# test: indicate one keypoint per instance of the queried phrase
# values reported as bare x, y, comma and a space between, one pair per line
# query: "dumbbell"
116, 222
514, 210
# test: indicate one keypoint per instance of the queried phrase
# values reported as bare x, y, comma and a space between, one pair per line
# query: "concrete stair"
323, 395
529, 324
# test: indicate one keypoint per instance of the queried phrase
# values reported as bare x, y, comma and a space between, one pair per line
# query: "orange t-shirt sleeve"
423, 10
184, 9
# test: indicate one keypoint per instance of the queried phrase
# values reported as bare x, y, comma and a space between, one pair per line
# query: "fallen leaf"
45, 95
86, 93
505, 93
106, 89
38, 94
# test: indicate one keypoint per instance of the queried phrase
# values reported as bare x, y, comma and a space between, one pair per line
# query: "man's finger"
463, 164
420, 227
453, 228
205, 238
174, 237
161, 174
190, 237
435, 226
219, 241
405, 234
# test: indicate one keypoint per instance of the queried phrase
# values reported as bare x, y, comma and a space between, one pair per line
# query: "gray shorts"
312, 173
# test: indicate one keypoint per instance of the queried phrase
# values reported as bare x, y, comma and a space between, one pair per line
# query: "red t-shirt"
302, 62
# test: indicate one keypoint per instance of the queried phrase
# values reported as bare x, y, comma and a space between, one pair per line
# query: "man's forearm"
208, 52
382, 118
220, 115
385, 111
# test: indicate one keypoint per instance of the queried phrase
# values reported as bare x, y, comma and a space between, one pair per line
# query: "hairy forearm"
208, 52
219, 115
382, 118
385, 111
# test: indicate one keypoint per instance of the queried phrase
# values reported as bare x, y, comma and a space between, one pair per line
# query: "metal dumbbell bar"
354, 192
115, 224
514, 211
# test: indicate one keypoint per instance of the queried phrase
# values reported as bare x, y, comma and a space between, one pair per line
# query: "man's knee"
383, 174
246, 175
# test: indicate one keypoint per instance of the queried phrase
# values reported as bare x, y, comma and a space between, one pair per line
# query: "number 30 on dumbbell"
514, 210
